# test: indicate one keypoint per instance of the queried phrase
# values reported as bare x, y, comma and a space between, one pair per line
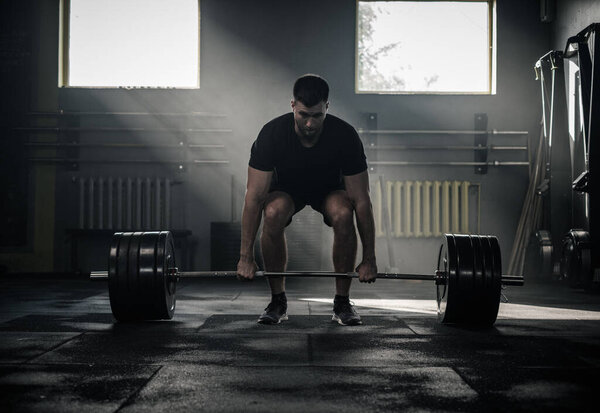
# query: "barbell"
142, 277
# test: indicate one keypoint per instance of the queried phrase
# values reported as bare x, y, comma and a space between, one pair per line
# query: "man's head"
309, 105
310, 90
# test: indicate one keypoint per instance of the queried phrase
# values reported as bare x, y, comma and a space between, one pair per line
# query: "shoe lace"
345, 307
273, 305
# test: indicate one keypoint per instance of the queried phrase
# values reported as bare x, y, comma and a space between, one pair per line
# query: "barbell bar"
142, 277
439, 277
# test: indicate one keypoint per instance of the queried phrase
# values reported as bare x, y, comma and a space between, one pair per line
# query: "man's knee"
342, 217
277, 213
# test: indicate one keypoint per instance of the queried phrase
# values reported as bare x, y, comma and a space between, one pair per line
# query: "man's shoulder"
338, 124
280, 121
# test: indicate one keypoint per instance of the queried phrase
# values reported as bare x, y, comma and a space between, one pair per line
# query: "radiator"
131, 203
422, 208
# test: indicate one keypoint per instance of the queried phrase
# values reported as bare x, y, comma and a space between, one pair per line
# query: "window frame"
492, 59
63, 55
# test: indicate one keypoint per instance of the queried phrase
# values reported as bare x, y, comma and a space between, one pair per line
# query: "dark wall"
251, 52
15, 67
28, 66
572, 16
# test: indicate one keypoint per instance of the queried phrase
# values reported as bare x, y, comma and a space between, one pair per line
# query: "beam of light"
412, 306
507, 310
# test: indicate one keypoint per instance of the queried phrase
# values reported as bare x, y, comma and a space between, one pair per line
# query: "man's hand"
246, 268
367, 271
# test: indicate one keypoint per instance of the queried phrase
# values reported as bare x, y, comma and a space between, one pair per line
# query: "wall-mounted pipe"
100, 203
128, 204
119, 202
91, 203
81, 204
464, 207
147, 204
157, 204
109, 203
167, 203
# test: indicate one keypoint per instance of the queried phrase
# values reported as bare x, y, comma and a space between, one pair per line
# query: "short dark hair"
311, 89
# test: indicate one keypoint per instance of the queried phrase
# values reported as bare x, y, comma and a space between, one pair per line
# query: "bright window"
425, 47
130, 43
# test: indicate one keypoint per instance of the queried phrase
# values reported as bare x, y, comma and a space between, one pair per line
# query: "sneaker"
344, 312
275, 312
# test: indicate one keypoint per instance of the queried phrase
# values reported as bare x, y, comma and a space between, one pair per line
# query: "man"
308, 158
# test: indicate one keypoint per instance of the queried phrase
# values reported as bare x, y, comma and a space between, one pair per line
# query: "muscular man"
308, 158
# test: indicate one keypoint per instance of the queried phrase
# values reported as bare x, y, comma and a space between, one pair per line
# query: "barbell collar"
515, 280
99, 276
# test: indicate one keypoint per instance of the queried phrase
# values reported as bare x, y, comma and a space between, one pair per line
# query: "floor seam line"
468, 382
62, 343
407, 326
129, 400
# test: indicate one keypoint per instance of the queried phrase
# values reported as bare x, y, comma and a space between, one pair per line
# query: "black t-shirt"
300, 170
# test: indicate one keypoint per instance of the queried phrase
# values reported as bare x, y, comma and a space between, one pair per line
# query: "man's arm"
257, 189
357, 188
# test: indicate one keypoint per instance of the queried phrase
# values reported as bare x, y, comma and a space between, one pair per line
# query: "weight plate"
471, 295
479, 274
133, 275
487, 274
166, 286
491, 303
119, 290
464, 294
114, 294
575, 263
441, 287
147, 285
567, 261
544, 261
447, 262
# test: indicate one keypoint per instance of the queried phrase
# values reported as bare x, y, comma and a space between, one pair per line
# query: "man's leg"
279, 208
339, 213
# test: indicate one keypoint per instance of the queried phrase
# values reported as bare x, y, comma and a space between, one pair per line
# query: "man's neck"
307, 142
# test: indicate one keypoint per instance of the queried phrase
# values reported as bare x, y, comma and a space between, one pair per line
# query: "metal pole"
440, 132
131, 161
74, 113
121, 145
413, 163
110, 129
445, 147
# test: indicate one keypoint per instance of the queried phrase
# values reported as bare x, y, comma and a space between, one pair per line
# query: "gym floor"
61, 350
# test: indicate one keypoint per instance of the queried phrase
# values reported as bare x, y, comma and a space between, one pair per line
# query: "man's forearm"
251, 216
366, 228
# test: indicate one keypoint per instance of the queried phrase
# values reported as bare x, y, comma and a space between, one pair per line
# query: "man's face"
309, 120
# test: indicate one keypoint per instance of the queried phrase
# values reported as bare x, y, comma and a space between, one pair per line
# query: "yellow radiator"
422, 208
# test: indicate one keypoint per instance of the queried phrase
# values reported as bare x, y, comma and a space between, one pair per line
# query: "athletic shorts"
315, 200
